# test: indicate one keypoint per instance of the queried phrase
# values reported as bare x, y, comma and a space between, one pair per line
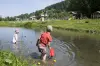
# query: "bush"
86, 21
9, 59
28, 25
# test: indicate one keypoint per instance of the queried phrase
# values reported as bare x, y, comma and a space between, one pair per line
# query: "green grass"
11, 24
9, 59
93, 25
65, 34
85, 25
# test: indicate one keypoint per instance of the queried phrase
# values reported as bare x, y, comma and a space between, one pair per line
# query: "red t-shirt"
45, 38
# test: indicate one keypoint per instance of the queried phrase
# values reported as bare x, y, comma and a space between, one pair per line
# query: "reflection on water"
64, 54
85, 47
35, 55
15, 47
88, 51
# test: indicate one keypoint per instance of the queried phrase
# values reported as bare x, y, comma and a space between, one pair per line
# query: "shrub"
9, 59
86, 21
28, 25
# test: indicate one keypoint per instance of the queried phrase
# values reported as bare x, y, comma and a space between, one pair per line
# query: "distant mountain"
61, 6
58, 10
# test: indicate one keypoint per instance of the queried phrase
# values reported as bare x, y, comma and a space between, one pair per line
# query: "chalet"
96, 14
33, 17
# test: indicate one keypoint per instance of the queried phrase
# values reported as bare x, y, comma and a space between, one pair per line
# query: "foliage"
61, 10
85, 25
23, 16
61, 6
28, 25
9, 19
86, 7
9, 59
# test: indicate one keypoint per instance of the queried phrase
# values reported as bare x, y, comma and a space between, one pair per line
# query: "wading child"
44, 41
15, 37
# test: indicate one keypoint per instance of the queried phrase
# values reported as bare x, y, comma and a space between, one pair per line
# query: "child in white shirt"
15, 37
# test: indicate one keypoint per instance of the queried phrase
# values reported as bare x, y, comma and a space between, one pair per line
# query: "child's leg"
44, 57
50, 57
44, 54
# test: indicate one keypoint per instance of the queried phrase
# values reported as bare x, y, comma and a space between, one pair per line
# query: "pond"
71, 50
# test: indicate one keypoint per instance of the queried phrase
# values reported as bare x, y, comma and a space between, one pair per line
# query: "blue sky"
17, 7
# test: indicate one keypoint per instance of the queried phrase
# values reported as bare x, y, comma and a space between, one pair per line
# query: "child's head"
49, 28
16, 31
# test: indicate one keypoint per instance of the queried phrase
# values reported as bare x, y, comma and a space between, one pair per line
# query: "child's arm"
38, 41
49, 45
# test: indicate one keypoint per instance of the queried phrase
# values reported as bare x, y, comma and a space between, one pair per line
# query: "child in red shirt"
44, 41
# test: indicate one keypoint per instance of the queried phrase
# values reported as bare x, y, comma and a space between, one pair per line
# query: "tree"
0, 18
61, 9
86, 7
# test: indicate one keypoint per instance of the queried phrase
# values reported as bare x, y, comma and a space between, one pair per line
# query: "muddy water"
86, 47
72, 49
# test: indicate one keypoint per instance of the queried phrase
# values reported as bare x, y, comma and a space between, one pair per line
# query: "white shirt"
15, 38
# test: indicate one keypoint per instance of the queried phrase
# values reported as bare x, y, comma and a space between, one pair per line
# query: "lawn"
84, 25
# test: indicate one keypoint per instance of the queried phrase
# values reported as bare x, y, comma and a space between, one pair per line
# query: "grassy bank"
85, 25
9, 59
71, 34
89, 25
11, 24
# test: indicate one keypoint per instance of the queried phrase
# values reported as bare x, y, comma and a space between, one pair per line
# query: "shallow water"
70, 50
86, 47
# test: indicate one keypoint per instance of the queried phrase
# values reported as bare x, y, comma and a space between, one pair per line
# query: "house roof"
98, 11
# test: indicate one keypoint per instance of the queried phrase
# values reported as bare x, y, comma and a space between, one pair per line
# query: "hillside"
58, 10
